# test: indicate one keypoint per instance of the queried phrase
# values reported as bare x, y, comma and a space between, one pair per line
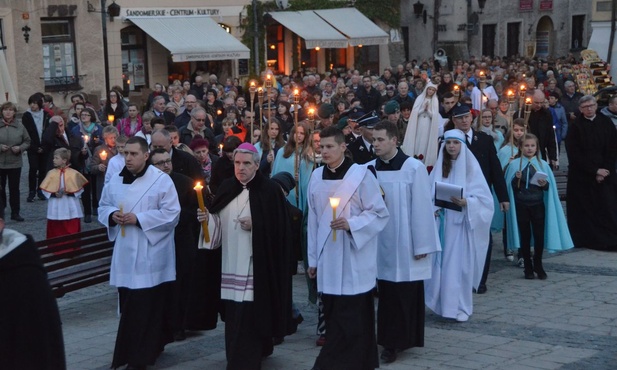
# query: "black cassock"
268, 315
592, 206
30, 327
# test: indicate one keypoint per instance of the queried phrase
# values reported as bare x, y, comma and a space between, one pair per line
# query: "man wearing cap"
405, 245
368, 95
249, 219
392, 109
483, 148
342, 254
325, 113
362, 148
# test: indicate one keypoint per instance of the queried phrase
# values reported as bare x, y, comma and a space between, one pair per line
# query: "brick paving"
565, 322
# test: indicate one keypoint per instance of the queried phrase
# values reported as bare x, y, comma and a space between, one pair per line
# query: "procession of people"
395, 196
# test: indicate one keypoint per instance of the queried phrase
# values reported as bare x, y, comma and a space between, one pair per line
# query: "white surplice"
115, 165
410, 231
347, 266
144, 257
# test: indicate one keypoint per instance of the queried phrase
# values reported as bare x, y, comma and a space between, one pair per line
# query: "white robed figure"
140, 209
144, 256
422, 134
464, 234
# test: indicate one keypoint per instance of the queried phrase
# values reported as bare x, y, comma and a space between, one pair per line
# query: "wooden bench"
76, 261
561, 178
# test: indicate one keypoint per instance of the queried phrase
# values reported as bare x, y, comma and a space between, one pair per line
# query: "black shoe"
540, 272
529, 275
17, 217
87, 219
481, 289
30, 198
388, 355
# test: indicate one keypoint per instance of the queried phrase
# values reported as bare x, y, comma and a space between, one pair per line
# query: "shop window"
59, 62
134, 64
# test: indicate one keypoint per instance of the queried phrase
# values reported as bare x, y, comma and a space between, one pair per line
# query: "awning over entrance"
332, 28
7, 92
355, 25
192, 38
313, 29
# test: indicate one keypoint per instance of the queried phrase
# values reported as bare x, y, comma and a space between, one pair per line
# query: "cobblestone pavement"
565, 322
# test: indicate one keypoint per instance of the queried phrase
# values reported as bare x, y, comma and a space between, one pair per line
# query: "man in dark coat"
30, 327
541, 125
185, 241
368, 95
483, 148
255, 272
591, 198
182, 162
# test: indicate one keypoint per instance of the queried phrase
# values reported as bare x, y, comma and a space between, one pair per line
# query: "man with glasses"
501, 123
183, 119
185, 241
591, 198
541, 124
183, 162
197, 126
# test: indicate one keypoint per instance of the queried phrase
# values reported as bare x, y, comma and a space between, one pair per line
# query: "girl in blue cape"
534, 205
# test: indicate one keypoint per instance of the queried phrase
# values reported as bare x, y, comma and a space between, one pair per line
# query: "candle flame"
528, 101
103, 155
111, 117
198, 186
523, 87
311, 110
510, 92
252, 83
456, 87
334, 202
295, 91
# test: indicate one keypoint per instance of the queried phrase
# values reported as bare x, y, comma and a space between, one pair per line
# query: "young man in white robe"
342, 254
140, 209
406, 245
116, 163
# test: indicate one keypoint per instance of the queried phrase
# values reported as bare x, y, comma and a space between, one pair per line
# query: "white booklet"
444, 193
539, 175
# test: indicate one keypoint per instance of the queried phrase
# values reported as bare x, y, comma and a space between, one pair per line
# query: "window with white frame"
59, 62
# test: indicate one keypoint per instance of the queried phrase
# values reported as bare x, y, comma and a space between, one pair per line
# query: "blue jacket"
560, 121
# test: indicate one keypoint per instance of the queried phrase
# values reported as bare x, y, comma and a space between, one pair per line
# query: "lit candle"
122, 214
334, 203
111, 118
200, 200
252, 83
219, 112
220, 148
311, 113
86, 138
103, 155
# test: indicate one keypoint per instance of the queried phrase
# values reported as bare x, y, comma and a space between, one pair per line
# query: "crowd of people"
388, 185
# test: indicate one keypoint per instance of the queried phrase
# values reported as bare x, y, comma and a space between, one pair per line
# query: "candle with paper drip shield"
111, 118
103, 155
334, 202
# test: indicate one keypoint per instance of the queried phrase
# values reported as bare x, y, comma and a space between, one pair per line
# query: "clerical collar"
129, 178
245, 186
339, 171
393, 164
389, 159
592, 118
339, 165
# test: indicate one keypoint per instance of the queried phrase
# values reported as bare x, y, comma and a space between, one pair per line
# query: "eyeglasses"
200, 119
190, 102
588, 106
162, 163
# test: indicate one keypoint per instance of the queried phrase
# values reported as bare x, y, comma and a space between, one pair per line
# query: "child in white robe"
464, 234
63, 187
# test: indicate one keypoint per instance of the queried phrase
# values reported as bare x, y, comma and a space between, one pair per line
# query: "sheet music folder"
444, 192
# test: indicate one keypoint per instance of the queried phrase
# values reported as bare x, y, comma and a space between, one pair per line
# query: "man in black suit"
482, 147
368, 95
182, 162
362, 148
158, 108
185, 239
541, 124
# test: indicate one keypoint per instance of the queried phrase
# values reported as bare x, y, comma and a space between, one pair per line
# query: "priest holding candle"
342, 253
143, 200
249, 220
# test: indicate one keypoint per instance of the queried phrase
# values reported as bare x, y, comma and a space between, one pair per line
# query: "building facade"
529, 28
